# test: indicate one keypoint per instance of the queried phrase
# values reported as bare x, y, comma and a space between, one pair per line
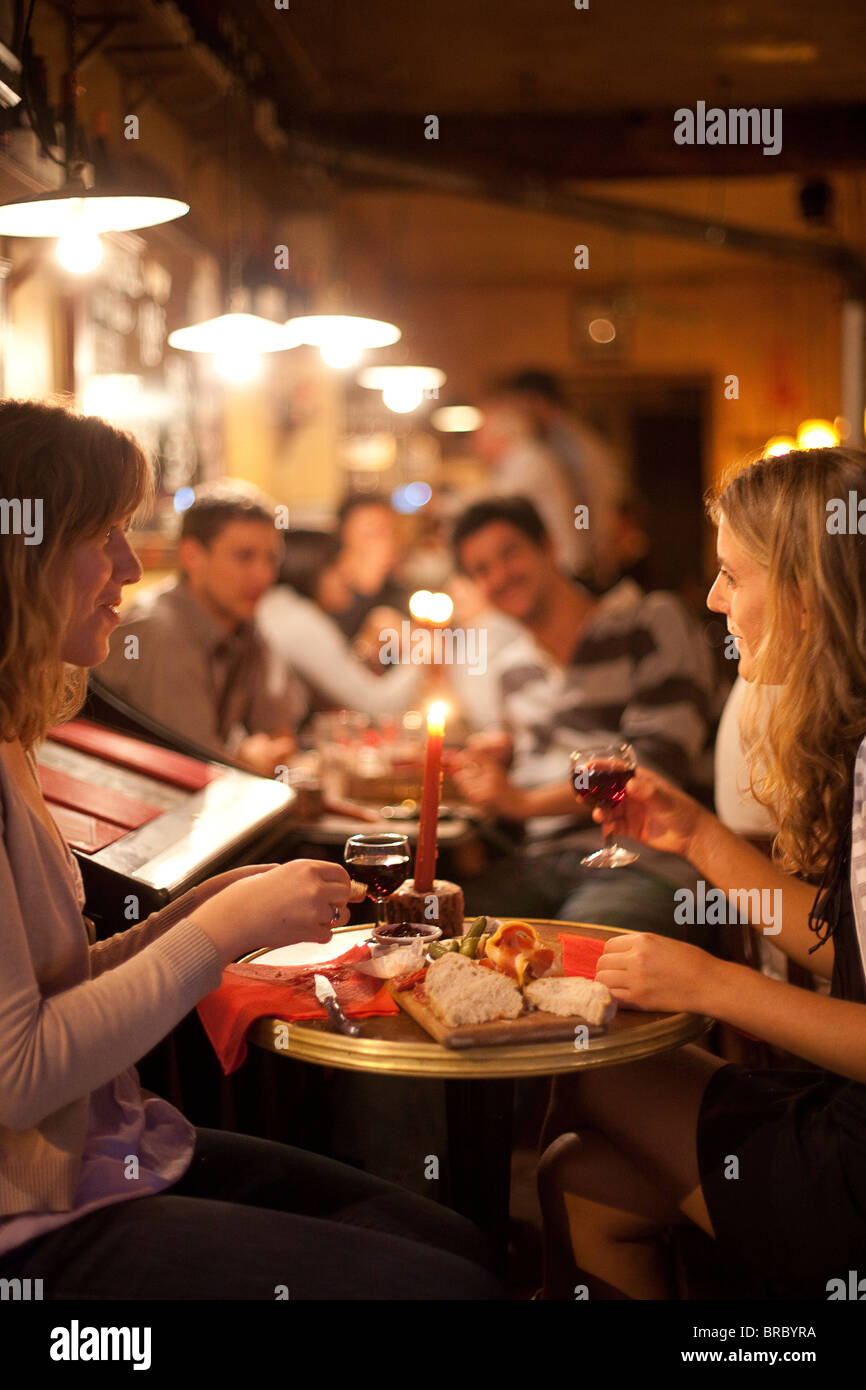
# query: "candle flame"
431, 608
419, 604
439, 608
436, 716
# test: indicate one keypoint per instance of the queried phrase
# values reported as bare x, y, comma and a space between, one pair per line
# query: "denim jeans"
250, 1217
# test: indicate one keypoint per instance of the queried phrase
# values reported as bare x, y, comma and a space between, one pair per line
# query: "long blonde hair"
85, 474
802, 752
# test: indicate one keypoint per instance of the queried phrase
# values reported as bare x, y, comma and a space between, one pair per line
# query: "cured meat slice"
516, 949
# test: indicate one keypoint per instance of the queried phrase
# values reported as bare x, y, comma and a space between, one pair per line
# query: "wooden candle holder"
405, 905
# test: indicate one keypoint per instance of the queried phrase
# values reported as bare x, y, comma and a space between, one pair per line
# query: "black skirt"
792, 1208
795, 1213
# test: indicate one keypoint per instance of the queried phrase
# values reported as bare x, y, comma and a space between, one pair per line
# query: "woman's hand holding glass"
656, 812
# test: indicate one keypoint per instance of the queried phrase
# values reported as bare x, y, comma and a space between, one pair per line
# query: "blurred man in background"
188, 653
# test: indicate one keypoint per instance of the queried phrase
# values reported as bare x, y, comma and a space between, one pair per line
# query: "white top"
316, 650
735, 805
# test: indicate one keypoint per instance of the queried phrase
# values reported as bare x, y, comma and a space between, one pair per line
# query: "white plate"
315, 952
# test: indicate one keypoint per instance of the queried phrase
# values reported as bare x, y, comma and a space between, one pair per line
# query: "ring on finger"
335, 916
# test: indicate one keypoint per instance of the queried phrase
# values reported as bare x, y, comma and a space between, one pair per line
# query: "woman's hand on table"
655, 811
300, 901
645, 971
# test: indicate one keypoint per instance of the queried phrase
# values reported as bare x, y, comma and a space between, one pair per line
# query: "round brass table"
398, 1046
479, 1117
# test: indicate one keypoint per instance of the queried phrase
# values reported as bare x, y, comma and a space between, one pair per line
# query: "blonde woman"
770, 1163
200, 1214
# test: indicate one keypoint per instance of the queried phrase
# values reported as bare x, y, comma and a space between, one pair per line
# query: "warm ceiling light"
231, 335
402, 396
779, 444
79, 248
51, 214
402, 387
238, 366
77, 216
76, 213
341, 338
456, 419
236, 342
816, 434
602, 331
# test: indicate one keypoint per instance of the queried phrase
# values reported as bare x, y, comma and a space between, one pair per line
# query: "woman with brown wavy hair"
106, 1191
771, 1163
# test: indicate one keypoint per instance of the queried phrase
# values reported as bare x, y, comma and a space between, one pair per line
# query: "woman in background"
201, 1214
772, 1163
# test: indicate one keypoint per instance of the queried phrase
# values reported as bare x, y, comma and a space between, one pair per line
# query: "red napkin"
250, 992
580, 954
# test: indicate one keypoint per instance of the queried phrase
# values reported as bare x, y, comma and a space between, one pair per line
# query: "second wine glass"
599, 774
379, 861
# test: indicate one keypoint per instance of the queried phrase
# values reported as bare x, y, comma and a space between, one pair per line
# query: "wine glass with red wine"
379, 861
599, 774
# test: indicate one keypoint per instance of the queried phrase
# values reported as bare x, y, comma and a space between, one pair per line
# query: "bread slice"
572, 996
460, 991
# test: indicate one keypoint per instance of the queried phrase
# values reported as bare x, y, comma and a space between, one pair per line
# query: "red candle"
425, 855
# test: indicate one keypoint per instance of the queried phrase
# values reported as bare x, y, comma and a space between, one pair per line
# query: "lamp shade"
234, 334
456, 419
341, 338
51, 214
402, 387
320, 329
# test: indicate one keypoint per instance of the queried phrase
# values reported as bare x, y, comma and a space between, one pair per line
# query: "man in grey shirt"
189, 655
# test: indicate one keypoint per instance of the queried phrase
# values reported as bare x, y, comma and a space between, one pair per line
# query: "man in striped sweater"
627, 667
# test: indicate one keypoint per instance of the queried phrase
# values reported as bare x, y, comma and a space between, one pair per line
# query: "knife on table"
327, 997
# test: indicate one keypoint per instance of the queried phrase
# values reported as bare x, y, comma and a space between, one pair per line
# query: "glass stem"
377, 903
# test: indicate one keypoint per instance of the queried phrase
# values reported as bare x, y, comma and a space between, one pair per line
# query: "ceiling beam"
535, 194
604, 145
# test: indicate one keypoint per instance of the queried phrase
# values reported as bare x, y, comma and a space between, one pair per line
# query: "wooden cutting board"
534, 1027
